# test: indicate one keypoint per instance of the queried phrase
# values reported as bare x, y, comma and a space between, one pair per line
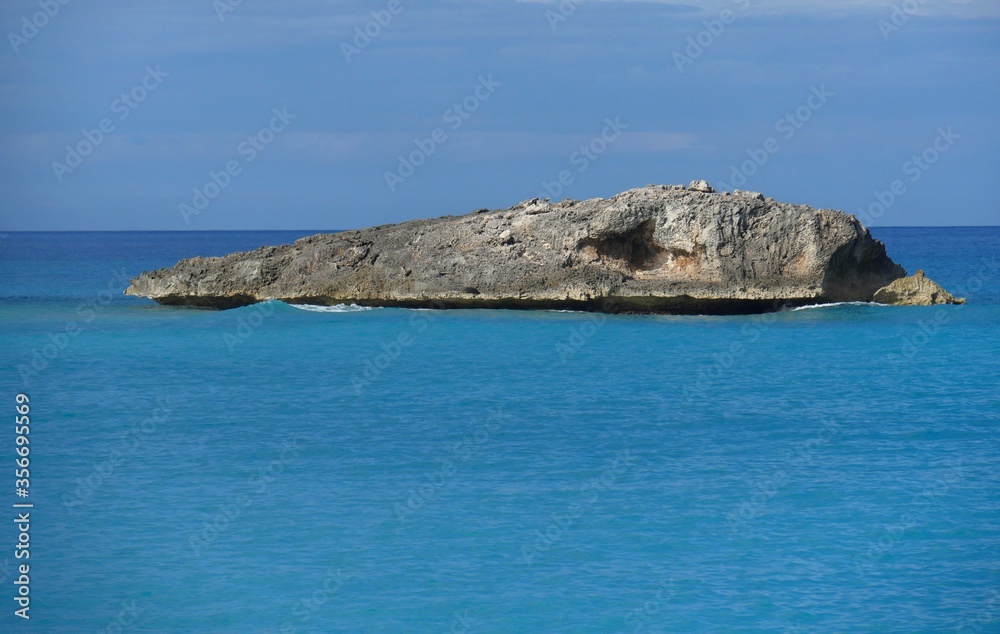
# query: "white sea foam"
339, 308
836, 304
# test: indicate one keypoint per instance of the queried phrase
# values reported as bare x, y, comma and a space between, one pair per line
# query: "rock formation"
915, 290
653, 249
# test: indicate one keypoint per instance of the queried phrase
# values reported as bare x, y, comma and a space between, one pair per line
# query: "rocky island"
656, 249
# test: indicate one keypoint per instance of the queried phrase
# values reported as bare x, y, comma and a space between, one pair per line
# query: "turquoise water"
274, 469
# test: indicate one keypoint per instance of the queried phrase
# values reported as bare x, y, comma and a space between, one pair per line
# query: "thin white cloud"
330, 147
657, 142
528, 144
956, 8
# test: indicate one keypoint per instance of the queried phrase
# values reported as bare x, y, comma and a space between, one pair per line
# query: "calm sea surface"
277, 469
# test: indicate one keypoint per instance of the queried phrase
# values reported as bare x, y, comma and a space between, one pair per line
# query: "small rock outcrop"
665, 249
915, 290
747, 194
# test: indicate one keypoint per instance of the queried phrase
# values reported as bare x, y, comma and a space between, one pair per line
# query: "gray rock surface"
754, 195
654, 249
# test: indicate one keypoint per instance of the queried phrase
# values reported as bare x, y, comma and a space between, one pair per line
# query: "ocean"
286, 469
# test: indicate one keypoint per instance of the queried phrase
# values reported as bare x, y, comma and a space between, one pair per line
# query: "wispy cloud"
330, 147
957, 8
526, 144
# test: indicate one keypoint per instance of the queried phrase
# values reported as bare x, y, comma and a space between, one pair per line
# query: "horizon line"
9, 231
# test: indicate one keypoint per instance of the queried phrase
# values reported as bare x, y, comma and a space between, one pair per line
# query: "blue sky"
196, 144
